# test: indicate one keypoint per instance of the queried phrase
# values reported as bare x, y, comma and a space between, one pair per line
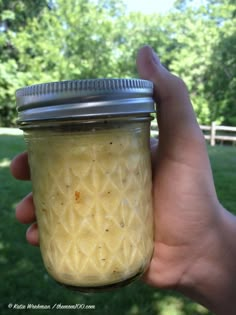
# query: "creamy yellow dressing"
92, 193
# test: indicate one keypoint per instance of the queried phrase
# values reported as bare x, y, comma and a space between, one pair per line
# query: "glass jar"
89, 156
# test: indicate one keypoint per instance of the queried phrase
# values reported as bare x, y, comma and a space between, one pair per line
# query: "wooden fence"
213, 133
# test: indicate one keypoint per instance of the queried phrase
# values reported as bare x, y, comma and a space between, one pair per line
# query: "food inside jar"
92, 192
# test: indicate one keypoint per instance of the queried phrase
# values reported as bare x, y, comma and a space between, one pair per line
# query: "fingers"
153, 149
153, 142
174, 109
32, 235
20, 167
25, 212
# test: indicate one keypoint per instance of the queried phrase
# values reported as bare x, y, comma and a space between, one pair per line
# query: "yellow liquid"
92, 193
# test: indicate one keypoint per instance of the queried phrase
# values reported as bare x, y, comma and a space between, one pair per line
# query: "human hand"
193, 232
25, 210
189, 220
185, 202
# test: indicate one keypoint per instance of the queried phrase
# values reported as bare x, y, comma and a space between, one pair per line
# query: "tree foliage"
43, 41
205, 58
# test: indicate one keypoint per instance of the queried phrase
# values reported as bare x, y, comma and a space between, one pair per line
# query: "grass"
223, 162
24, 279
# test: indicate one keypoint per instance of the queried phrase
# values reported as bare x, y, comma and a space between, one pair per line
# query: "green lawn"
24, 279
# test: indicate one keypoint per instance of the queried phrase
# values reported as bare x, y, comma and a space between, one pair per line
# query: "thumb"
176, 118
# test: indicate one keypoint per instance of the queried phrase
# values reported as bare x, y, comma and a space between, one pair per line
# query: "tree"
221, 86
42, 41
69, 40
14, 16
201, 34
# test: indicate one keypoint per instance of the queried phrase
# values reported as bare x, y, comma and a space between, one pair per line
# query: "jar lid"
84, 98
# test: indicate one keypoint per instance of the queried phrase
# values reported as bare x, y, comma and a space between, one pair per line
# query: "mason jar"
89, 156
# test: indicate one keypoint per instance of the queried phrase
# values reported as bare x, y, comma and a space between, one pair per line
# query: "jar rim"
84, 98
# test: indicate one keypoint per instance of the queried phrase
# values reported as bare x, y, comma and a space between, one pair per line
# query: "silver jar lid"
84, 98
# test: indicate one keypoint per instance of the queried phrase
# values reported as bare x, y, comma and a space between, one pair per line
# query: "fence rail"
228, 133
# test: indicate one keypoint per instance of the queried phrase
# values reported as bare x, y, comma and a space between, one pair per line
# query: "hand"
185, 202
25, 211
193, 233
191, 227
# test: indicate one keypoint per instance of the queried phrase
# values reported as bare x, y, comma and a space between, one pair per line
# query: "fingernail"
155, 58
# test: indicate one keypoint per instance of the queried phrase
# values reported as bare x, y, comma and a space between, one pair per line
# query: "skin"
194, 235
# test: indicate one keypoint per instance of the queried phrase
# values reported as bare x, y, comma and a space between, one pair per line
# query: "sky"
154, 6
149, 6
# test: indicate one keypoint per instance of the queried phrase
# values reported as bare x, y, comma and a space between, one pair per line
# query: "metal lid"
84, 98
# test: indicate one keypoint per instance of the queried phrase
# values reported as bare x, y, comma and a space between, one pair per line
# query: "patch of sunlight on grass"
134, 310
11, 131
170, 306
201, 309
5, 162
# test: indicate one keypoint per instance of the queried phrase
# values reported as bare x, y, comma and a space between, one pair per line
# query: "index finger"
20, 167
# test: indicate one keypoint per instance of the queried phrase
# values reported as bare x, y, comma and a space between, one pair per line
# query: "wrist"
211, 279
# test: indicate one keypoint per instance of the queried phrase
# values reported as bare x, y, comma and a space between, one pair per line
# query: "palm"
183, 191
